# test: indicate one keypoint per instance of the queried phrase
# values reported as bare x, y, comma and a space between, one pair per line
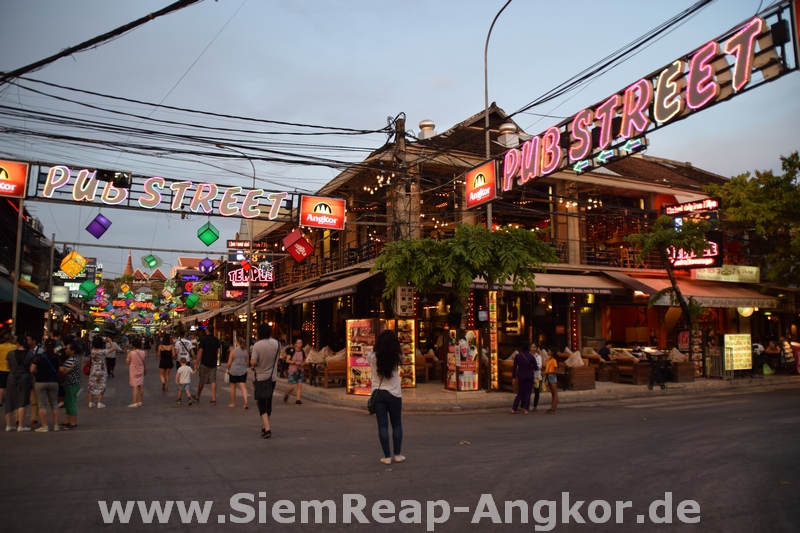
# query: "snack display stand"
406, 333
360, 340
463, 362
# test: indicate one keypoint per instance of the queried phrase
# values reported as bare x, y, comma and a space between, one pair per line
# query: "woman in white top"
384, 360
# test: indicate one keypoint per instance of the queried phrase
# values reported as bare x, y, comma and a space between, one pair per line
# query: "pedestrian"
550, 369
182, 348
183, 378
523, 372
237, 371
294, 358
70, 373
18, 392
111, 355
137, 368
33, 350
98, 375
537, 378
45, 369
7, 347
264, 361
165, 361
207, 353
384, 361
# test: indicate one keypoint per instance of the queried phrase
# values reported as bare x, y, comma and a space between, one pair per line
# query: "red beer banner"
481, 184
321, 212
13, 179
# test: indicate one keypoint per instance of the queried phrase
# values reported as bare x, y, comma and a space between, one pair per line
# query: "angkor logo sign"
322, 207
479, 181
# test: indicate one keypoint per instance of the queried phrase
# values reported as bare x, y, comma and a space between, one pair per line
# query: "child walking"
183, 378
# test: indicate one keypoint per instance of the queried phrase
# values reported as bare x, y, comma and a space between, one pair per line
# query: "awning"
340, 287
708, 293
205, 315
631, 282
23, 296
566, 283
635, 185
241, 308
284, 299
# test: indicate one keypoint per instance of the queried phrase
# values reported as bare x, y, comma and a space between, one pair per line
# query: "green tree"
507, 254
765, 208
665, 238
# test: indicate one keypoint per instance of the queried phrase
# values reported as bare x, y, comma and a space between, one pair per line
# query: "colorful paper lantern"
167, 294
206, 266
124, 288
151, 261
208, 234
98, 226
129, 294
192, 300
73, 264
245, 265
206, 287
87, 289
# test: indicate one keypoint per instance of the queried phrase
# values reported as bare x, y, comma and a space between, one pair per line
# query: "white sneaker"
133, 405
10, 428
399, 458
91, 404
56, 428
139, 404
100, 405
43, 429
386, 460
23, 428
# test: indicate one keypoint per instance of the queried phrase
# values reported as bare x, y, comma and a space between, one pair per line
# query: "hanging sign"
297, 246
481, 184
13, 179
320, 212
720, 69
238, 278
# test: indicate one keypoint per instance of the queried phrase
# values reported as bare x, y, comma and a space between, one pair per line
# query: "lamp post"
486, 105
250, 255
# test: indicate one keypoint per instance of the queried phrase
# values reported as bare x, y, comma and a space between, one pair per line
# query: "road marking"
690, 405
684, 403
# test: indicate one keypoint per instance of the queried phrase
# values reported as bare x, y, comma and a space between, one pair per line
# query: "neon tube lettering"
701, 87
531, 160
85, 186
250, 204
510, 168
153, 197
741, 46
119, 195
551, 151
276, 198
668, 102
227, 206
636, 101
57, 177
203, 201
605, 113
180, 190
581, 134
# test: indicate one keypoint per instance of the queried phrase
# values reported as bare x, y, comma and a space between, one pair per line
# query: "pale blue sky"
354, 63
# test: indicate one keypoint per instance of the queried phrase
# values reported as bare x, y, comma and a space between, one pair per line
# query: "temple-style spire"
129, 266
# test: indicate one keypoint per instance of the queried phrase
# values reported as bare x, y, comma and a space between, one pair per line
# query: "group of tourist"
530, 378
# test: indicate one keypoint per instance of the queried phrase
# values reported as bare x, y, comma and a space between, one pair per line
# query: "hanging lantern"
245, 265
206, 287
192, 300
208, 234
206, 266
125, 288
151, 261
129, 294
73, 264
98, 226
87, 289
132, 306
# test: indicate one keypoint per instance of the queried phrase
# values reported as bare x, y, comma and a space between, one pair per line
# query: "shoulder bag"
372, 397
263, 390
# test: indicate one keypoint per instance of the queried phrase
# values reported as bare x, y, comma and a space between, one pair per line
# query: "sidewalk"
431, 397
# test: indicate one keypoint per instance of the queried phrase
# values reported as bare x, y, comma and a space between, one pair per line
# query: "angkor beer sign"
13, 178
319, 212
718, 70
481, 184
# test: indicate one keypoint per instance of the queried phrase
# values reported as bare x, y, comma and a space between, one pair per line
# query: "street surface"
735, 455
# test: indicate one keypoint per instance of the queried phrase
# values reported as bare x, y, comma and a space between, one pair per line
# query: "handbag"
227, 377
87, 367
372, 397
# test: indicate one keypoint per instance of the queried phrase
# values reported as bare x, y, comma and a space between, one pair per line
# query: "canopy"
23, 296
706, 293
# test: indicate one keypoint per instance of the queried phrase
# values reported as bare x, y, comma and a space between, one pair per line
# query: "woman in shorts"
295, 357
165, 361
237, 370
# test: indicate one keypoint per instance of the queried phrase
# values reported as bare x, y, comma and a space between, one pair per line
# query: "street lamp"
250, 254
486, 105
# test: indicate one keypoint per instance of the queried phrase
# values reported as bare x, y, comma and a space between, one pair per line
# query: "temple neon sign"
718, 70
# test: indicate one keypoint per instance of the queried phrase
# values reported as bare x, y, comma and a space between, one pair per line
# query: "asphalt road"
734, 455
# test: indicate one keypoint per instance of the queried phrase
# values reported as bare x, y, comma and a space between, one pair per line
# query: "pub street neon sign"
718, 70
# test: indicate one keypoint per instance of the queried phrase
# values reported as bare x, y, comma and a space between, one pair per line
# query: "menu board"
462, 362
493, 355
406, 334
360, 339
696, 352
738, 352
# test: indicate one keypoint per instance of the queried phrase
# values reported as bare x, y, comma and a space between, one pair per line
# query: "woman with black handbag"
388, 394
264, 361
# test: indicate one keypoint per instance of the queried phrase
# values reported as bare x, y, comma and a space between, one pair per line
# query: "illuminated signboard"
297, 246
711, 257
481, 184
320, 212
65, 185
13, 179
244, 245
738, 351
700, 206
718, 70
730, 273
237, 278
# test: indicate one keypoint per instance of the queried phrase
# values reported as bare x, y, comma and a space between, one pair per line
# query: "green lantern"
192, 300
208, 234
87, 289
129, 294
